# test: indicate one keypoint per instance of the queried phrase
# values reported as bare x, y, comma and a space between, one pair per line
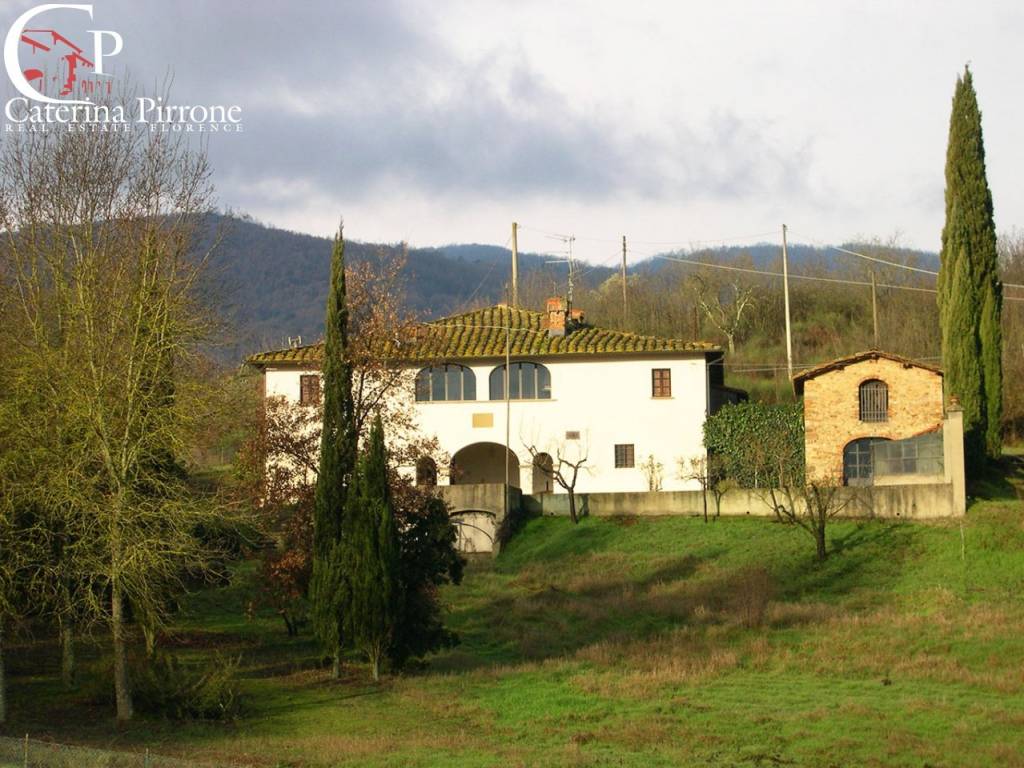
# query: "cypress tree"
337, 462
970, 293
372, 556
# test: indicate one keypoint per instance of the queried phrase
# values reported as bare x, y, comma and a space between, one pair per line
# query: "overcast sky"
676, 122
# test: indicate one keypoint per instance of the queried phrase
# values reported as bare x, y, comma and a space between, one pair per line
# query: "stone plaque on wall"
483, 420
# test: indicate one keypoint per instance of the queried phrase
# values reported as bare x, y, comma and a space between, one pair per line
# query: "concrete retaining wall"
917, 501
478, 510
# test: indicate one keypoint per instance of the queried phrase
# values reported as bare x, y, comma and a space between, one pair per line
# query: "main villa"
625, 403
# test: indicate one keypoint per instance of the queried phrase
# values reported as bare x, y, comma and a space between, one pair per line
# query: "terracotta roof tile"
481, 334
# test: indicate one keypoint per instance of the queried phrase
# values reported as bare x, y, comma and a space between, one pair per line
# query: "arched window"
426, 472
874, 401
858, 463
445, 382
526, 381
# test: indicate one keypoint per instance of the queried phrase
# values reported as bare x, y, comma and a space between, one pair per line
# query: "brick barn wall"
832, 409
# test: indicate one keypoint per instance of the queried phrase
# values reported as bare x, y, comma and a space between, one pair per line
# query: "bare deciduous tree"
811, 505
570, 459
726, 305
709, 471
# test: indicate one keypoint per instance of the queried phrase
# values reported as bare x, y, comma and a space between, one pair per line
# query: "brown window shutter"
661, 382
309, 389
624, 456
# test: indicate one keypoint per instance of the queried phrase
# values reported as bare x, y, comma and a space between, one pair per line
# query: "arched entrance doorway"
484, 463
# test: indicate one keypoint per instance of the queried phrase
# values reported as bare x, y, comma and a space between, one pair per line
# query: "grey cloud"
370, 67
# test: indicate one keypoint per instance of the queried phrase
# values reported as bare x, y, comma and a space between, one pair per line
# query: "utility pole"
874, 307
508, 401
515, 264
625, 306
572, 239
785, 285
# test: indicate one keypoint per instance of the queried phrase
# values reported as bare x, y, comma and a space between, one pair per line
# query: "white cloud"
669, 121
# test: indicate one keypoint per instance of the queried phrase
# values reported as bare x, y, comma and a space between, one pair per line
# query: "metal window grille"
874, 401
624, 456
661, 382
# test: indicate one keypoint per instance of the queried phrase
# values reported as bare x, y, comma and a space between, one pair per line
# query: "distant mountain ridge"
271, 284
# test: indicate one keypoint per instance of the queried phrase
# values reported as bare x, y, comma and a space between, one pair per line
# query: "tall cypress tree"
970, 293
337, 462
371, 555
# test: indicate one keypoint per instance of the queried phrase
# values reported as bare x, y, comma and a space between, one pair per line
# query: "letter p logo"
99, 53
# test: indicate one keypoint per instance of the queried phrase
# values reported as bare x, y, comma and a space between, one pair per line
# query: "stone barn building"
876, 418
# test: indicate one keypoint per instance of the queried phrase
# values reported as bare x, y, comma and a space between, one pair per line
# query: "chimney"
560, 319
554, 320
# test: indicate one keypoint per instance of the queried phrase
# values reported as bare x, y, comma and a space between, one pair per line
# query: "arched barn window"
426, 472
858, 464
874, 401
526, 381
445, 382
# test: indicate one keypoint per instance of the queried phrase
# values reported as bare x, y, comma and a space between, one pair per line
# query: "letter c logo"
11, 52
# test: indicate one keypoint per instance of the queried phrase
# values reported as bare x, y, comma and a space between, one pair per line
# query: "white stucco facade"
606, 399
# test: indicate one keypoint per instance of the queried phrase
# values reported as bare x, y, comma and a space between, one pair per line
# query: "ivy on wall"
759, 445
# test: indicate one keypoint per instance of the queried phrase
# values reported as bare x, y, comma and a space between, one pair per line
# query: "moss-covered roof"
481, 334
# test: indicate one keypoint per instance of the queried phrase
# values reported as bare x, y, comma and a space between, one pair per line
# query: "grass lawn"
639, 642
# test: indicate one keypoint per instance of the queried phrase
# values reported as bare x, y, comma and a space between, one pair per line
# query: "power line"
769, 273
842, 281
704, 242
816, 243
733, 238
895, 264
883, 261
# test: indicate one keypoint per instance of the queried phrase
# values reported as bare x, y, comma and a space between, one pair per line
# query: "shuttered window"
624, 456
661, 382
309, 389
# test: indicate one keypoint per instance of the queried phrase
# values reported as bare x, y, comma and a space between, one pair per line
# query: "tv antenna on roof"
568, 240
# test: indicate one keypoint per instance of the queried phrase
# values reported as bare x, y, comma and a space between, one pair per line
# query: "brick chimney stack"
559, 319
555, 316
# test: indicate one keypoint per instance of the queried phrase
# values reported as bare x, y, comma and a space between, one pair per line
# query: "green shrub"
208, 690
166, 686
